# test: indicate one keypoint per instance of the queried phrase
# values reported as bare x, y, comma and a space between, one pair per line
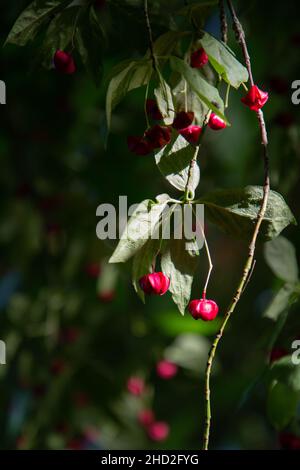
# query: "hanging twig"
249, 262
151, 45
223, 20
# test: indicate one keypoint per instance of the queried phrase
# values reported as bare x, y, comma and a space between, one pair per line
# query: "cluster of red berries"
158, 283
158, 136
157, 431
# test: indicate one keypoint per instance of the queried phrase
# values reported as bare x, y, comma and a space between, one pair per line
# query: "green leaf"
143, 224
127, 76
90, 39
204, 91
107, 281
235, 211
32, 18
281, 302
179, 265
143, 262
282, 405
174, 160
166, 43
144, 259
199, 11
164, 100
280, 255
173, 325
223, 61
60, 33
284, 370
189, 350
183, 95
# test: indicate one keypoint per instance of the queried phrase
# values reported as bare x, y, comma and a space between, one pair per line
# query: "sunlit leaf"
235, 211
280, 255
224, 61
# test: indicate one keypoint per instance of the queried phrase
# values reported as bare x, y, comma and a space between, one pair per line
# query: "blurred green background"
75, 330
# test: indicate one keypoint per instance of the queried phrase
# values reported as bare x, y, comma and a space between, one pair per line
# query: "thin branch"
250, 259
189, 192
210, 264
151, 45
240, 37
223, 20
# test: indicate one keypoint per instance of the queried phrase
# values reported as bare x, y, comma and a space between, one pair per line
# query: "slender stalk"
145, 106
151, 45
210, 265
223, 20
240, 37
227, 95
249, 264
189, 193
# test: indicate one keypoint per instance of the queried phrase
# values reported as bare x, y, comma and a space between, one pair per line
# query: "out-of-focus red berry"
166, 369
135, 385
64, 62
158, 431
146, 417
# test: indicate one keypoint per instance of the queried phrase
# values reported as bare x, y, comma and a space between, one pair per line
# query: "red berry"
154, 283
277, 353
216, 123
107, 296
183, 120
135, 386
158, 431
166, 370
92, 270
139, 145
146, 417
153, 110
255, 98
64, 62
199, 58
191, 134
289, 441
203, 308
158, 136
